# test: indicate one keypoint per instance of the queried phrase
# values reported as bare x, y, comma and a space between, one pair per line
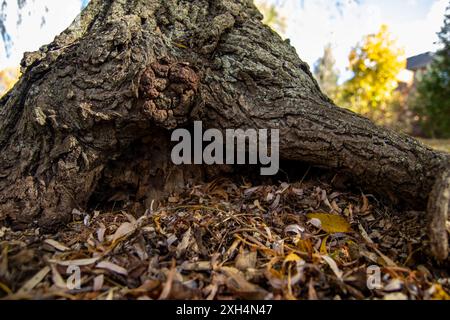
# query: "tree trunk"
94, 109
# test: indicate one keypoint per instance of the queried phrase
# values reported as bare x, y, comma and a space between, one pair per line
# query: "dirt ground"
230, 240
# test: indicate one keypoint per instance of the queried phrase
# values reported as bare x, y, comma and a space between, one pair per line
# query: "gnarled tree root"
438, 207
127, 72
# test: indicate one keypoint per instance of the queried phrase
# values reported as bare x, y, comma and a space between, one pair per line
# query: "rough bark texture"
96, 106
438, 207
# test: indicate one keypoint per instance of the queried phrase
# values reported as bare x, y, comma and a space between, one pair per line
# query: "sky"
31, 33
311, 24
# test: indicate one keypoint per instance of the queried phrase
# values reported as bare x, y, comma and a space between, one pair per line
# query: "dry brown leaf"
258, 205
334, 267
240, 286
112, 267
101, 233
78, 262
165, 293
365, 207
98, 282
58, 280
246, 260
4, 262
294, 228
57, 245
184, 243
35, 280
124, 230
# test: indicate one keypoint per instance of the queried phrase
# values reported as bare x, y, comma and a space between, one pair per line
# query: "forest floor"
228, 240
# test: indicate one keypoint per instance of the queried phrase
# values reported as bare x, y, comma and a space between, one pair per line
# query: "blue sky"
311, 25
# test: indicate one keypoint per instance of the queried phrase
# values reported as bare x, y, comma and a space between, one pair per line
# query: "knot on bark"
169, 91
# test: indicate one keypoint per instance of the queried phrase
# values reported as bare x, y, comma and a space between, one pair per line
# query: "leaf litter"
224, 240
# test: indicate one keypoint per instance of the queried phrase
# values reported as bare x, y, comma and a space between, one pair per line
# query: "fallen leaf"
196, 266
438, 293
393, 286
395, 296
316, 223
57, 245
101, 233
331, 223
258, 205
124, 230
237, 283
184, 243
246, 260
78, 262
165, 293
35, 280
57, 278
98, 282
333, 266
323, 246
5, 288
112, 267
294, 228
4, 262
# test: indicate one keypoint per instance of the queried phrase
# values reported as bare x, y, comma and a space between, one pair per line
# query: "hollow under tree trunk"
95, 108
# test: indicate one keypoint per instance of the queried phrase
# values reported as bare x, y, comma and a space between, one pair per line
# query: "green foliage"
326, 73
432, 99
376, 63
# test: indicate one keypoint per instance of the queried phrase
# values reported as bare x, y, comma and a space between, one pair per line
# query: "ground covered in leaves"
228, 240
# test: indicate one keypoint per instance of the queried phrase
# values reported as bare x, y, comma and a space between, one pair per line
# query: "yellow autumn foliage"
8, 78
375, 63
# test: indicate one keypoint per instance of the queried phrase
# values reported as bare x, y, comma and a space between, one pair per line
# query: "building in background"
407, 80
414, 66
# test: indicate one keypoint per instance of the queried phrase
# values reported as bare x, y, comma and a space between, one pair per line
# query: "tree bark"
94, 109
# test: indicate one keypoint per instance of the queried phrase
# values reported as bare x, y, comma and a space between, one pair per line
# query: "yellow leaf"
439, 293
292, 258
180, 45
323, 246
305, 246
331, 223
5, 288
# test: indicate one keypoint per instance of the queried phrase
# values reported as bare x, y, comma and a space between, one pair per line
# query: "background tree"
432, 100
375, 63
326, 73
8, 77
